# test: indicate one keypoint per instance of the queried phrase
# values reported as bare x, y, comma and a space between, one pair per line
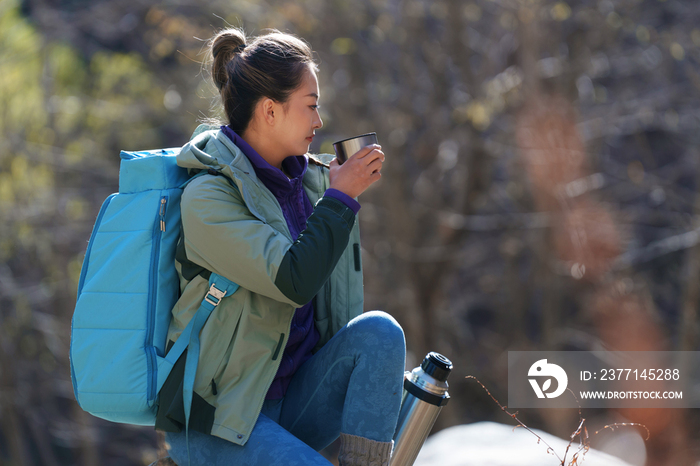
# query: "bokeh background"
541, 189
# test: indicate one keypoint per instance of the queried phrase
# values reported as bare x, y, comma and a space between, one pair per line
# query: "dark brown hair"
271, 65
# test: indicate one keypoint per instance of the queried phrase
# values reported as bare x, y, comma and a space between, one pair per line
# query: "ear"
269, 110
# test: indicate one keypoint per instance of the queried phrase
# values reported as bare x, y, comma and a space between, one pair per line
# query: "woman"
288, 362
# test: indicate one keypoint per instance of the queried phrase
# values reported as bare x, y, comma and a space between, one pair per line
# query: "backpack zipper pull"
162, 213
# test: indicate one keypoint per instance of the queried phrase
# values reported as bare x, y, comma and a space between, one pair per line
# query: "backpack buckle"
215, 294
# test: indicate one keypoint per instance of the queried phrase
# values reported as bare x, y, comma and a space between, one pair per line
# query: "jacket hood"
202, 152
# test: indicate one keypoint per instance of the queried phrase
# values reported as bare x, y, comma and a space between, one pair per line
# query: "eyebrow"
312, 95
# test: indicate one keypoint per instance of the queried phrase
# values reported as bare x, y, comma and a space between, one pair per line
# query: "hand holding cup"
358, 172
347, 147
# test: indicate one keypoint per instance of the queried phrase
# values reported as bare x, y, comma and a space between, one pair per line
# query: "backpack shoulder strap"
219, 288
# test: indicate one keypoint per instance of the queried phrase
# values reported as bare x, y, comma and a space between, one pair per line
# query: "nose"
319, 122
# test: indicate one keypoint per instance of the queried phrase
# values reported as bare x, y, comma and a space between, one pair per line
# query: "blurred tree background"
540, 191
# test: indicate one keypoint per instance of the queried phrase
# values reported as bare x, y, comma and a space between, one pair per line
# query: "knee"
384, 326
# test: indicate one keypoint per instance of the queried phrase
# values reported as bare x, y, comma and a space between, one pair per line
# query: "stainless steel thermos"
424, 395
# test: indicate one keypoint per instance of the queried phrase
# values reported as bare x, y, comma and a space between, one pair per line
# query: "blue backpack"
128, 287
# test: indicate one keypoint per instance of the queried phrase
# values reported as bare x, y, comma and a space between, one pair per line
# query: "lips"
310, 138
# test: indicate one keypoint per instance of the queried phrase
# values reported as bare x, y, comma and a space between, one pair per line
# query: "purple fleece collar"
274, 178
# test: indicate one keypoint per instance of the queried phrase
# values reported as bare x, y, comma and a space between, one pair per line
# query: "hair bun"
224, 47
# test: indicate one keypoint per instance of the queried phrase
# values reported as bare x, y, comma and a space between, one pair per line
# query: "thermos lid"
437, 366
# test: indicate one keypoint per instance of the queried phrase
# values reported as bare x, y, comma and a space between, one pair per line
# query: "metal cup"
347, 147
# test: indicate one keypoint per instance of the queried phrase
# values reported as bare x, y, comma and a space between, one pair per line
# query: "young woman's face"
300, 118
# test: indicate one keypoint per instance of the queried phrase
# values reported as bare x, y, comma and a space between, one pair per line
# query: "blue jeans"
352, 385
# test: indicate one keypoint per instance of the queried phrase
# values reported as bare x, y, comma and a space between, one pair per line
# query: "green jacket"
234, 226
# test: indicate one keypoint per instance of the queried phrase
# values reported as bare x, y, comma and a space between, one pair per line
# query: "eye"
314, 107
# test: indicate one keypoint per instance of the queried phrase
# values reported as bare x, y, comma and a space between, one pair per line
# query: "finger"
366, 150
375, 176
376, 153
375, 165
372, 156
334, 163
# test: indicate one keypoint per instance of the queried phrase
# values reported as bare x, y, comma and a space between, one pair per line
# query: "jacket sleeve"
223, 236
309, 262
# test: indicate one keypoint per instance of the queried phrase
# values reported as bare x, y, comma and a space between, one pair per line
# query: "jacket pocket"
221, 365
216, 377
322, 314
278, 348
